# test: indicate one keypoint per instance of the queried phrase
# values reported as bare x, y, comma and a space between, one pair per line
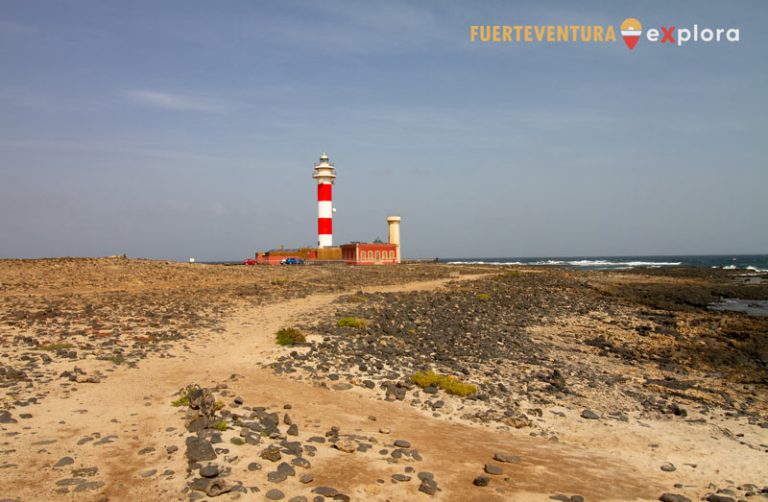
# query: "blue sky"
169, 129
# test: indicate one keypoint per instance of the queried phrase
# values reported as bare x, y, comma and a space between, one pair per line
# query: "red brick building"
364, 253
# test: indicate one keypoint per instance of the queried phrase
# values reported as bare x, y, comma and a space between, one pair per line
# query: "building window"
370, 255
391, 255
378, 255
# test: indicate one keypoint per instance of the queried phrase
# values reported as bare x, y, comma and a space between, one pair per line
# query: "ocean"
747, 263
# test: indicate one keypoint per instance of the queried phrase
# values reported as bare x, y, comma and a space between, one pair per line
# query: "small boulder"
199, 449
493, 469
673, 497
346, 445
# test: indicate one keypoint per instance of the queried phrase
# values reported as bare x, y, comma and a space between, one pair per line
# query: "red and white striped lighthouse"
325, 174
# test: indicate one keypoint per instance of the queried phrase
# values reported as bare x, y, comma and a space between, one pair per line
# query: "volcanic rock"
199, 449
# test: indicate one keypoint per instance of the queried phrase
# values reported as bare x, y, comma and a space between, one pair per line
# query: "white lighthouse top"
324, 170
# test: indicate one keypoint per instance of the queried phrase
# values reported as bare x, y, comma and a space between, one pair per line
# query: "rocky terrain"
142, 380
545, 337
56, 314
280, 448
604, 346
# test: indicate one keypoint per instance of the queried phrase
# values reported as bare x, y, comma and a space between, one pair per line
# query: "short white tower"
325, 174
394, 234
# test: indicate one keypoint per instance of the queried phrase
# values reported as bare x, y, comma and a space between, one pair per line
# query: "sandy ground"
131, 424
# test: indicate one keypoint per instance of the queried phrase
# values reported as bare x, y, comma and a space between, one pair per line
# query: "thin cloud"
174, 101
110, 148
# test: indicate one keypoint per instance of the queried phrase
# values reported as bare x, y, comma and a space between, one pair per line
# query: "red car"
249, 261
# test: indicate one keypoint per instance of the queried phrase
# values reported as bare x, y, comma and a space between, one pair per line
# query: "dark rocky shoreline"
645, 348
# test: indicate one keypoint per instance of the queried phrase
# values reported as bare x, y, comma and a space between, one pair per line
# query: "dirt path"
131, 410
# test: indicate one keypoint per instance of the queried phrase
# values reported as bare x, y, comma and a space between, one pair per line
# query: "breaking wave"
747, 263
574, 263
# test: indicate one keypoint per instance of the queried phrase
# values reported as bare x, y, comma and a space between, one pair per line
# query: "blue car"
292, 261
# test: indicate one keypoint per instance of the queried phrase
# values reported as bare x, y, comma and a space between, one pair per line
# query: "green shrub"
449, 384
483, 297
351, 322
182, 401
425, 378
453, 385
290, 336
508, 274
220, 425
117, 359
237, 441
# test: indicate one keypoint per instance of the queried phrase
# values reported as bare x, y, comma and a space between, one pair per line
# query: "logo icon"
631, 29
